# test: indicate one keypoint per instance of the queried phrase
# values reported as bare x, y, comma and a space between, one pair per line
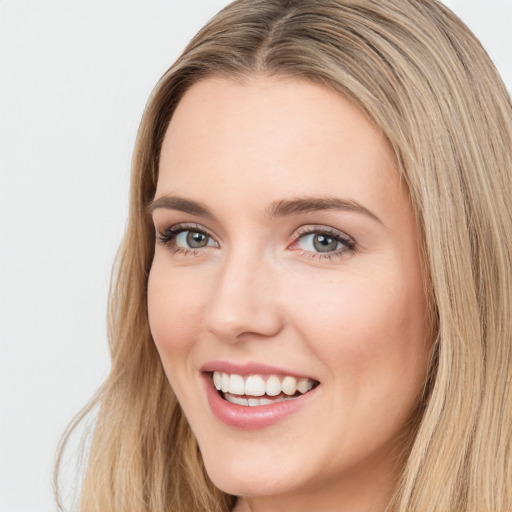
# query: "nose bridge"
244, 299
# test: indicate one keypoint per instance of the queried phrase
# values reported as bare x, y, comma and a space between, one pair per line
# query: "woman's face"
287, 257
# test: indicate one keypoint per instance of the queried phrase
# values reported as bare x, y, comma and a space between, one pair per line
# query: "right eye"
186, 238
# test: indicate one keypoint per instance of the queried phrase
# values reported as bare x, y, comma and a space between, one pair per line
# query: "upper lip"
250, 368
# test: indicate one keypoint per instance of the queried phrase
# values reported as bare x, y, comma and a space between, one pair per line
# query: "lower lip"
255, 417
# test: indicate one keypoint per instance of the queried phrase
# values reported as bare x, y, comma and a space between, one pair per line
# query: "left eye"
321, 242
193, 240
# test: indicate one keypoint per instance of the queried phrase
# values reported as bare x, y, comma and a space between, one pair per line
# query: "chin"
241, 477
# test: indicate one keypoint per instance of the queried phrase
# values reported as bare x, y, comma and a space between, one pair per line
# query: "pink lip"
250, 418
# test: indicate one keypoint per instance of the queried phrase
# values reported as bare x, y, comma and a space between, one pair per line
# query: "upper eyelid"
186, 226
318, 228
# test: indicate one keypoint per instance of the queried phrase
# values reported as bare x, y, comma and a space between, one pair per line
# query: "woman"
318, 261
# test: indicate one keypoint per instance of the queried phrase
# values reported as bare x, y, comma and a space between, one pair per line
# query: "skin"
355, 320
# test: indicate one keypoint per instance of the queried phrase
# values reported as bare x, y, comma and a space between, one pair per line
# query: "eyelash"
167, 238
349, 245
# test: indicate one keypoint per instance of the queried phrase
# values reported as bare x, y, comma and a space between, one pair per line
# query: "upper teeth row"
256, 385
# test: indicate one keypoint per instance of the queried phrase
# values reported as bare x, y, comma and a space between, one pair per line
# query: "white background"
74, 79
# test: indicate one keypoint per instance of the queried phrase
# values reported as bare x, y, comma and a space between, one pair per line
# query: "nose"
244, 302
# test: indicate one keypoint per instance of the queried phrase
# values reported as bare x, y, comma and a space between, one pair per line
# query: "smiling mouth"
259, 390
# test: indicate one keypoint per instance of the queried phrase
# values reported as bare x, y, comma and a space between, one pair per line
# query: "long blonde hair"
422, 77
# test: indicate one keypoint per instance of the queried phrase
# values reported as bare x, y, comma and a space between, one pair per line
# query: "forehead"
269, 135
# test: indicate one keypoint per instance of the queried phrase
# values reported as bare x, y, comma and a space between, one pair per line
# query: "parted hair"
422, 77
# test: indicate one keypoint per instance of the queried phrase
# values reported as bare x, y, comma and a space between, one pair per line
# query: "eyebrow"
180, 204
302, 205
281, 208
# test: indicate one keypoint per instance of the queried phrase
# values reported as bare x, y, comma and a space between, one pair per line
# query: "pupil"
195, 239
324, 243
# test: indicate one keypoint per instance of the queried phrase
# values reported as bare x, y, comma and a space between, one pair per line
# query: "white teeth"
217, 380
273, 386
253, 402
236, 385
225, 383
236, 400
255, 385
304, 385
289, 385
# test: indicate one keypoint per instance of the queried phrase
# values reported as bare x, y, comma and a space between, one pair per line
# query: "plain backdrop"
74, 79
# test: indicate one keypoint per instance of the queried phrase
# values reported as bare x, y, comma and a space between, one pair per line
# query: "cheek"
174, 313
371, 329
